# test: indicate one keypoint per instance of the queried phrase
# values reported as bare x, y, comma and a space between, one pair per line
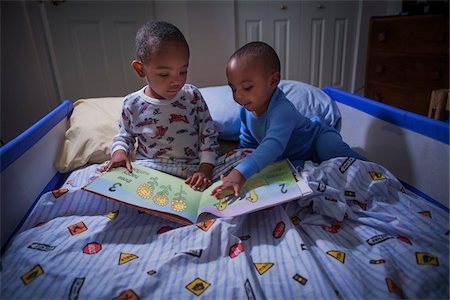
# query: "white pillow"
309, 100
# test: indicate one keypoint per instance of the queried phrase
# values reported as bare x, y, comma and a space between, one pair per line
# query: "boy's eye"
163, 75
248, 88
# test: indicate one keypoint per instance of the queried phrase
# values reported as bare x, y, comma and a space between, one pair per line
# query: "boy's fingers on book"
216, 191
236, 190
129, 167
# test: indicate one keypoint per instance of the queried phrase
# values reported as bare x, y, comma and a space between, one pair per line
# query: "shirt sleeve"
274, 143
246, 140
125, 139
208, 133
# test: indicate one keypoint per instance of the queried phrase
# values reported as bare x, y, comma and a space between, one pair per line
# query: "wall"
29, 86
209, 28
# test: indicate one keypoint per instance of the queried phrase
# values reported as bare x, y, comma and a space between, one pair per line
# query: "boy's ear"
275, 79
138, 67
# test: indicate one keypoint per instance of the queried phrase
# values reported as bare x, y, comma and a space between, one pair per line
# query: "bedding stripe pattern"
359, 235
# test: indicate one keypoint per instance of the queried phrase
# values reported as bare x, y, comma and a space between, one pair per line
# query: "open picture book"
170, 197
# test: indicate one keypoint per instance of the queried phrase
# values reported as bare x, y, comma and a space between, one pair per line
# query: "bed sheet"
359, 235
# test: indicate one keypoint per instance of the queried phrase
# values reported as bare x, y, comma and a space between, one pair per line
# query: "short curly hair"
152, 34
262, 52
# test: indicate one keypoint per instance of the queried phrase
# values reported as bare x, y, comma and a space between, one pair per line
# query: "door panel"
93, 45
314, 39
327, 31
275, 23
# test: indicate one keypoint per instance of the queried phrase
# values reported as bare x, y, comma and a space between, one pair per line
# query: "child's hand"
202, 179
233, 181
119, 159
198, 181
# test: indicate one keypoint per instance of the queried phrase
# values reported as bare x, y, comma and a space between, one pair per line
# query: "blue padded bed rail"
433, 129
18, 146
437, 130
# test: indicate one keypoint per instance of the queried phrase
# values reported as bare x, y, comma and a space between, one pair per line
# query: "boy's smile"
251, 83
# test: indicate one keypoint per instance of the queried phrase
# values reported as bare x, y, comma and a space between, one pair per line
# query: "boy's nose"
176, 79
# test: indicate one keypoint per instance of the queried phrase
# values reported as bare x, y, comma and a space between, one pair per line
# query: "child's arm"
123, 142
208, 145
233, 181
207, 132
276, 133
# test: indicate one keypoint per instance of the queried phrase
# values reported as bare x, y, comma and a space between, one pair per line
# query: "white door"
327, 34
92, 45
275, 23
314, 39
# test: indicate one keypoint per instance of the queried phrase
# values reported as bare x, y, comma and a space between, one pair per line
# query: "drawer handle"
381, 37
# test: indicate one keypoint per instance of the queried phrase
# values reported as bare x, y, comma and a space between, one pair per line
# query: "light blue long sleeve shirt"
281, 132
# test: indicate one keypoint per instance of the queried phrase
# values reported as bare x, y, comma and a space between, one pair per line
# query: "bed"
370, 230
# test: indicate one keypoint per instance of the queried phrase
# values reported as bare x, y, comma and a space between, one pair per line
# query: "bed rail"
27, 166
413, 147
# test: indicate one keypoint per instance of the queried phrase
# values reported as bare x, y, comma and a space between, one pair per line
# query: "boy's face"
251, 83
166, 70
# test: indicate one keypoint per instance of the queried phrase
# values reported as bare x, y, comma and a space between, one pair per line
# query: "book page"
274, 185
148, 189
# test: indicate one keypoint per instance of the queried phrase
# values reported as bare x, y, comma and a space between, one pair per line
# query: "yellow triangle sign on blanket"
113, 215
126, 257
340, 256
263, 267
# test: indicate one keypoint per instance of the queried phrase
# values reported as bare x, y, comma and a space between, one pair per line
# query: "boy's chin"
171, 95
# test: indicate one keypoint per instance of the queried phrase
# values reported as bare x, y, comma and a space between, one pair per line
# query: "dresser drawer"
429, 72
411, 34
410, 99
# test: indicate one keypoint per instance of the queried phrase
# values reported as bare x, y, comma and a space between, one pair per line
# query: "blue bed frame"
420, 160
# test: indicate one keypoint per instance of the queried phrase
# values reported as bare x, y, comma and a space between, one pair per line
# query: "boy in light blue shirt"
269, 121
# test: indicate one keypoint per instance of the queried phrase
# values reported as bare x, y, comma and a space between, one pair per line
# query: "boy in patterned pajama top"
168, 118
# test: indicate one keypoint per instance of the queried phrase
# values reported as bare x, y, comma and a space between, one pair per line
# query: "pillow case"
92, 125
309, 100
224, 111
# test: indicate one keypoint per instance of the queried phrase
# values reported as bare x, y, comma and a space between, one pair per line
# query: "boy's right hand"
233, 181
119, 159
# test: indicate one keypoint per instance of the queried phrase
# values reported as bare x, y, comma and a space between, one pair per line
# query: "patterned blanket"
360, 235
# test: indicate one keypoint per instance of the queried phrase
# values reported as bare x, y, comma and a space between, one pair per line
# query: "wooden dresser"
407, 58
